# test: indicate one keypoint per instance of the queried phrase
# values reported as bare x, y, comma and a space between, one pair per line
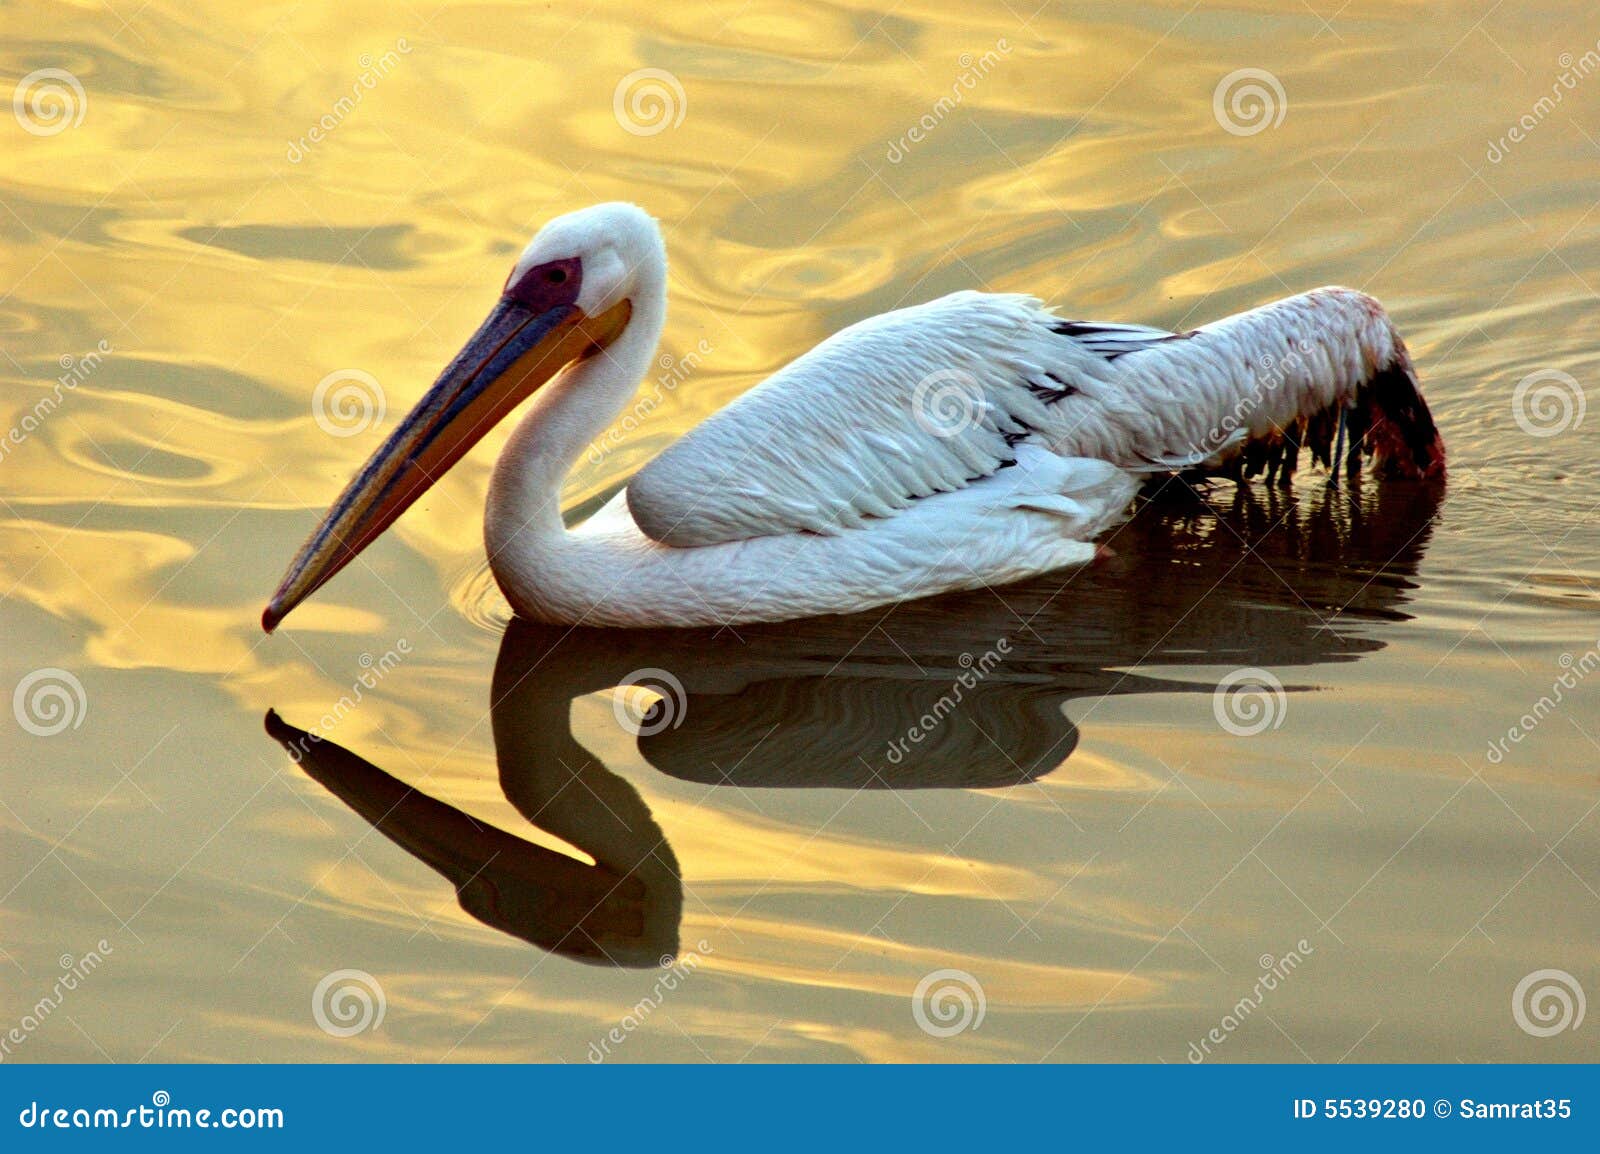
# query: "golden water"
1081, 836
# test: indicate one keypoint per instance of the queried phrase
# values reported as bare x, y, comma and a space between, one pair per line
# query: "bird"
970, 441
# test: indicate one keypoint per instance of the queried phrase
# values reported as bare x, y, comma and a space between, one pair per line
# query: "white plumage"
973, 440
928, 399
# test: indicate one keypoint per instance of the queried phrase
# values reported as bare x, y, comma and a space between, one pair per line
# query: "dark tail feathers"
1399, 433
1389, 424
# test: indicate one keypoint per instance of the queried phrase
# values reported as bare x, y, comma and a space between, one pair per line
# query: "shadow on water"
963, 691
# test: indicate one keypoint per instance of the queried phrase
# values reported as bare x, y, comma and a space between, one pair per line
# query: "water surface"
254, 202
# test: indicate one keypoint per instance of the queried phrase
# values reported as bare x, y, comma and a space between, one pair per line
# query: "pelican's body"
974, 440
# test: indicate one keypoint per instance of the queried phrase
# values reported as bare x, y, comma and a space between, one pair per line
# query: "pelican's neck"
567, 414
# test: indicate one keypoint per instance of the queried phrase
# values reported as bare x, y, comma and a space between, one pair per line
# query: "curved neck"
567, 414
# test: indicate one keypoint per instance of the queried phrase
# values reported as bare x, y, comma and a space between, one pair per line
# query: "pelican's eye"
546, 286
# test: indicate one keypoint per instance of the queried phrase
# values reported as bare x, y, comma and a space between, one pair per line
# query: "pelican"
974, 440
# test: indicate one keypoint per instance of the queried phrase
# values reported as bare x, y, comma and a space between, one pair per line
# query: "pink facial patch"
546, 286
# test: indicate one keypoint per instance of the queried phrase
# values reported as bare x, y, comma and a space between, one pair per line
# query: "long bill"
517, 349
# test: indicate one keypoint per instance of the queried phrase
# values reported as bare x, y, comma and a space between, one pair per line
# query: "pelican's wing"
932, 398
1114, 340
918, 401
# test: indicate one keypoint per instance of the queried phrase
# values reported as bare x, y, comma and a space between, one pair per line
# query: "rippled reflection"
1244, 577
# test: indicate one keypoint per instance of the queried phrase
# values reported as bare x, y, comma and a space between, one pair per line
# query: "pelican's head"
570, 294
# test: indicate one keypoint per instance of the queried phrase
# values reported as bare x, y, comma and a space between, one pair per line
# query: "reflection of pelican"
623, 910
1268, 579
975, 440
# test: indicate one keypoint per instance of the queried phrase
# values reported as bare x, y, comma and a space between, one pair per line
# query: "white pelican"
974, 440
